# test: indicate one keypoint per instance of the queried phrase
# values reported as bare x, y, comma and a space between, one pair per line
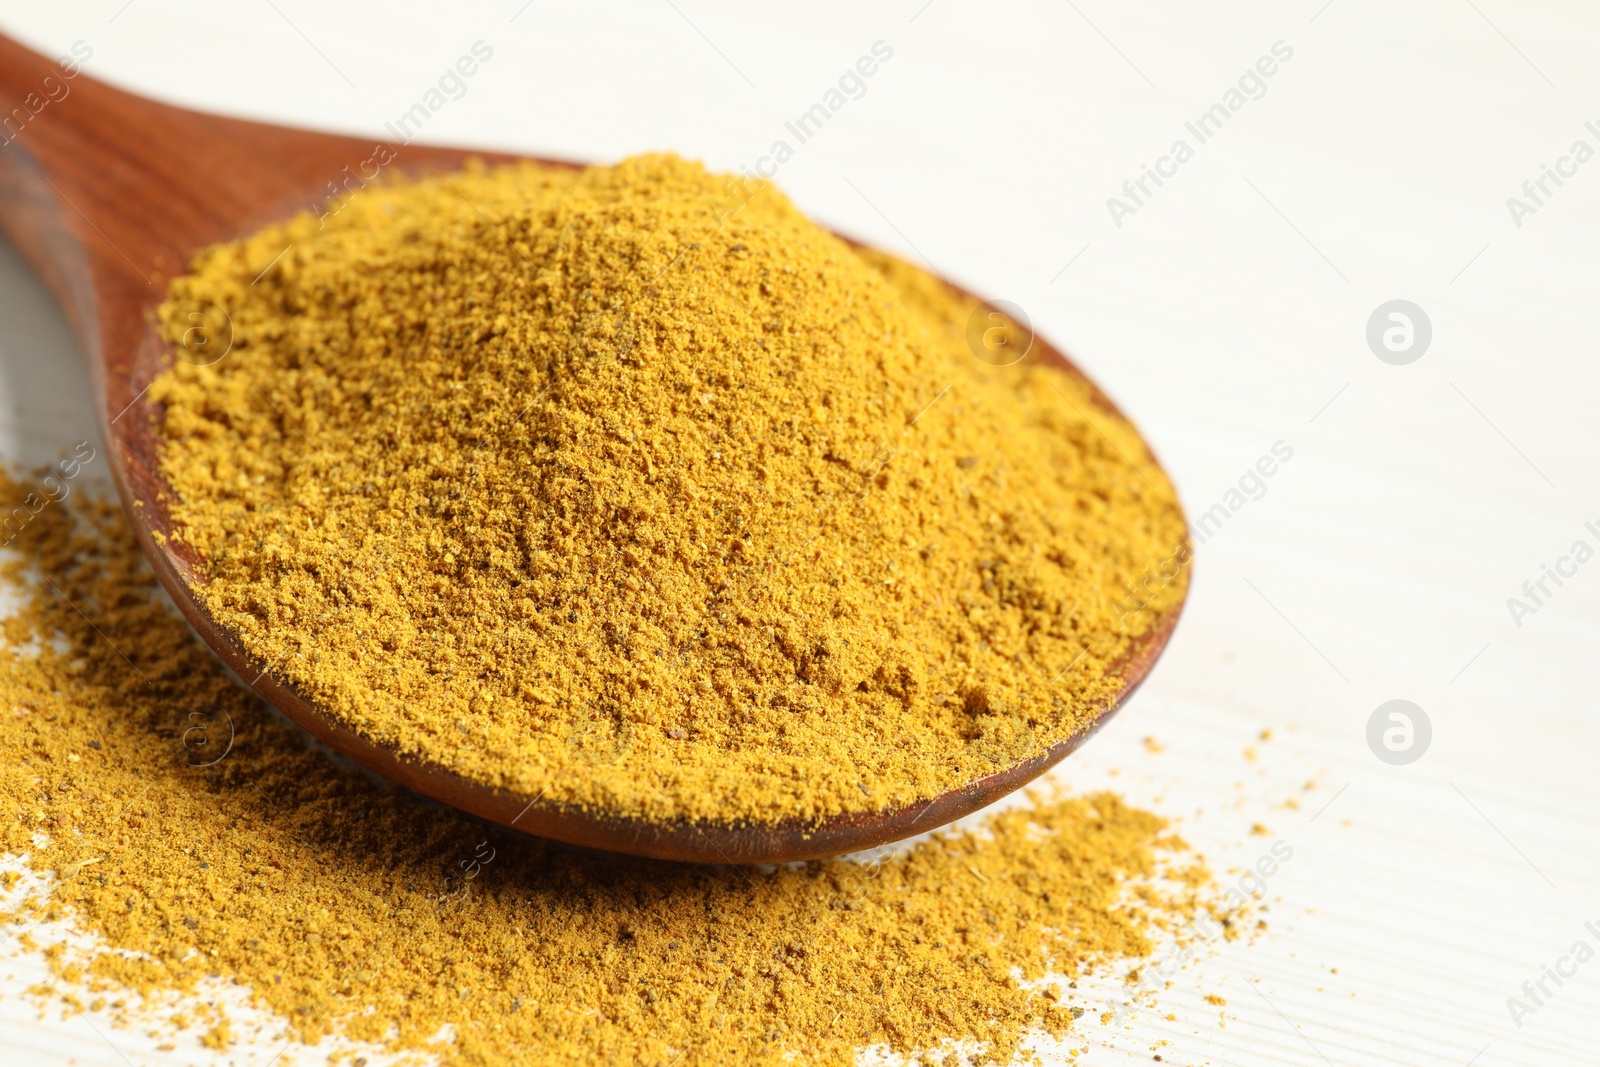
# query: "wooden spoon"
108, 195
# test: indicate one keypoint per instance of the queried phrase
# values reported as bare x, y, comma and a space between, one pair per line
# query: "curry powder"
612, 487
196, 834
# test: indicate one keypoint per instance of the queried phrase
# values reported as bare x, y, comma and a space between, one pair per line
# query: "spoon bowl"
109, 195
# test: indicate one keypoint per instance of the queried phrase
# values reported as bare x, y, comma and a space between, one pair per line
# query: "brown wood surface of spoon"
109, 195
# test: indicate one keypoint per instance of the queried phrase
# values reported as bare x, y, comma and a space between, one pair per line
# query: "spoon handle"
109, 194
137, 186
42, 110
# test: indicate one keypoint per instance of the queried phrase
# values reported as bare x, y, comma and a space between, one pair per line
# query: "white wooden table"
1227, 312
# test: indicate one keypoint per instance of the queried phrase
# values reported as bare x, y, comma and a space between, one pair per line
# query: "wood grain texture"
109, 195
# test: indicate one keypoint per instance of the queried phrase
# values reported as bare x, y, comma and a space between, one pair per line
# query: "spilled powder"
353, 907
632, 488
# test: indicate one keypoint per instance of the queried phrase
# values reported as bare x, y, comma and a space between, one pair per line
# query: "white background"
1226, 314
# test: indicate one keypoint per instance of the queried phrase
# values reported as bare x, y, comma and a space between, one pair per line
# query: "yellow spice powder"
634, 489
187, 824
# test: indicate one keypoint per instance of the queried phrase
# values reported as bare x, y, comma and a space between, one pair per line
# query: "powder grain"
634, 489
353, 907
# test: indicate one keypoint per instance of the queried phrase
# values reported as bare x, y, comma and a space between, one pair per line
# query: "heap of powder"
350, 906
604, 487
